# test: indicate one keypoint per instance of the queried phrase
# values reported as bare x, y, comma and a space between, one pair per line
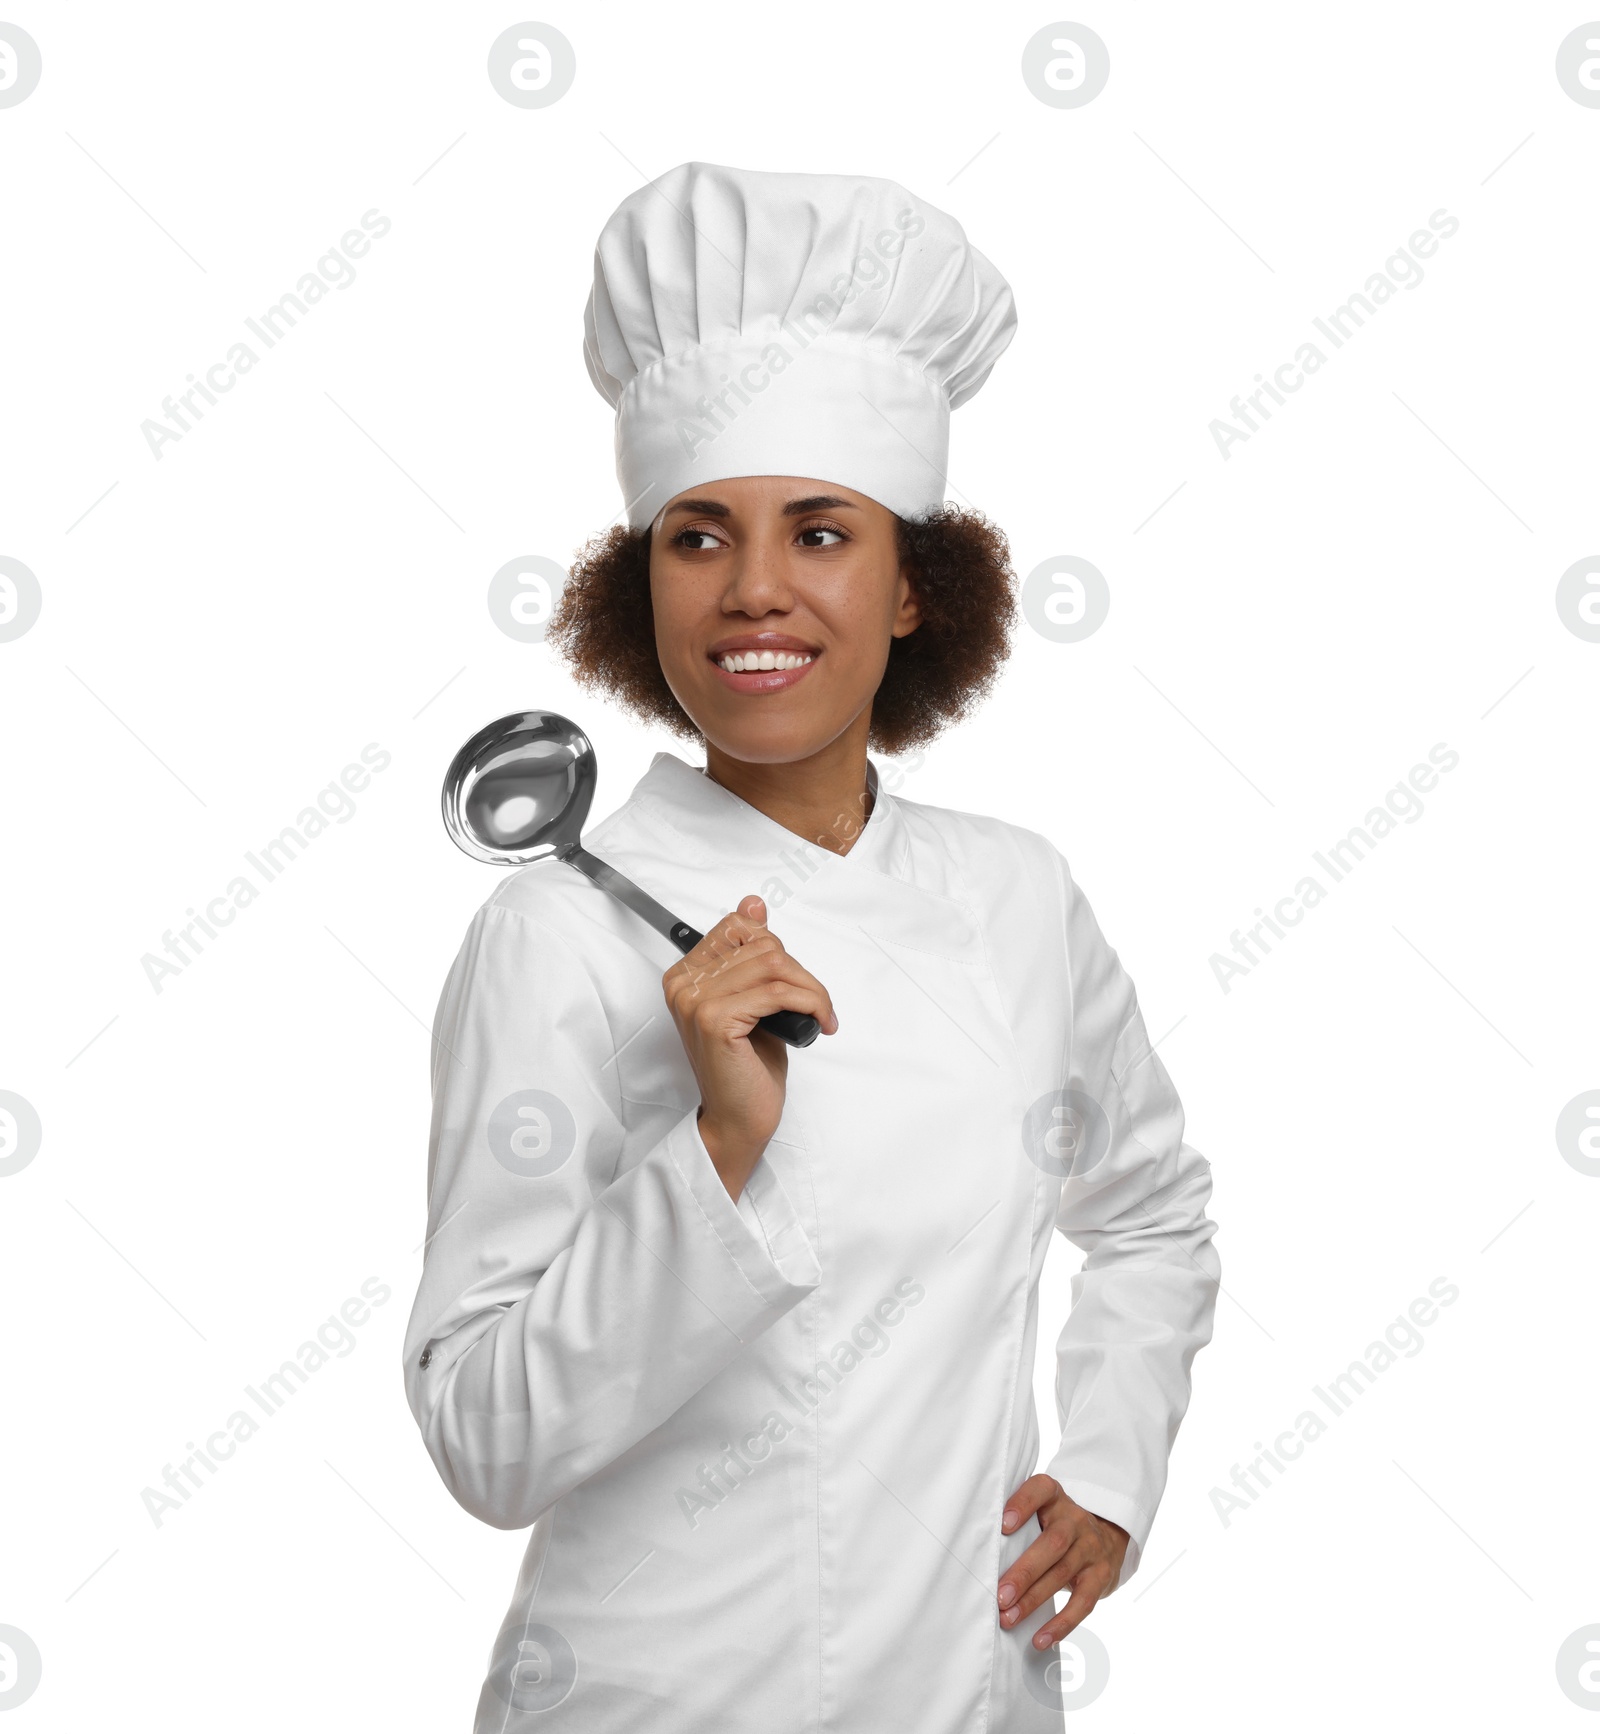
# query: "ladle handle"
798, 1029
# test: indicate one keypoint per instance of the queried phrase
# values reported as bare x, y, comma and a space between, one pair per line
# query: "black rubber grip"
798, 1029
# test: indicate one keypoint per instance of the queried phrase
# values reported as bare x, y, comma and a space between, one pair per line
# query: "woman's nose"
758, 579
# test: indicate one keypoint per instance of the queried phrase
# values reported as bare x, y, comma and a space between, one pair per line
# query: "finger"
747, 917
1027, 1499
1044, 1568
707, 967
1059, 1554
720, 950
1086, 1591
726, 936
760, 963
730, 939
1034, 1560
736, 1014
761, 959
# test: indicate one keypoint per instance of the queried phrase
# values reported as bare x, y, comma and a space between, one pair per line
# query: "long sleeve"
567, 1305
1144, 1300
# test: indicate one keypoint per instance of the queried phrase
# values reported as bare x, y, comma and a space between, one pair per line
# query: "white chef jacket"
764, 1446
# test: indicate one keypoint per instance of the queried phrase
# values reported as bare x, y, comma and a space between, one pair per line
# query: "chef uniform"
763, 1446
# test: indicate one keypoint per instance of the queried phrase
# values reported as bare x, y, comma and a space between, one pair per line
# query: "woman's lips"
764, 679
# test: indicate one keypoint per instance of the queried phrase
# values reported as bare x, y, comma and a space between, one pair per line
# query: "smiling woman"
937, 666
659, 1246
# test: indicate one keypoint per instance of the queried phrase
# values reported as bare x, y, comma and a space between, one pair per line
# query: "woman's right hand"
717, 993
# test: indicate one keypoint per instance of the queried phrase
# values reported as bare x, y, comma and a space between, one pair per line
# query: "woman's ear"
908, 615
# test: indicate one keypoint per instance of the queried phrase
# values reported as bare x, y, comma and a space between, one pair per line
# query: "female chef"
747, 1335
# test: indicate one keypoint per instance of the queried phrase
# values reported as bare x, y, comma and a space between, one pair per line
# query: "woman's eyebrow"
816, 503
710, 508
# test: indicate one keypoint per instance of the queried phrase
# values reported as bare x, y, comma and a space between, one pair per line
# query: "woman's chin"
770, 739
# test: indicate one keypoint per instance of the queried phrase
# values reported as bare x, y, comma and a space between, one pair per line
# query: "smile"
736, 664
762, 667
765, 670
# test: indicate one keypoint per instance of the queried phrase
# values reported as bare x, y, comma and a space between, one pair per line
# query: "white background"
225, 1162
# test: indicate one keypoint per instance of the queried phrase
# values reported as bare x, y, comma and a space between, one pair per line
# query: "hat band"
783, 402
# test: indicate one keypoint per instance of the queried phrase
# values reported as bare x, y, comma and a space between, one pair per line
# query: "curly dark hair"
960, 568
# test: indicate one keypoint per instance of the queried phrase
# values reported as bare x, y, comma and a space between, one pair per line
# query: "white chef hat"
749, 324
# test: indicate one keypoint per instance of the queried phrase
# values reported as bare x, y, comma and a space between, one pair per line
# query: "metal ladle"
520, 790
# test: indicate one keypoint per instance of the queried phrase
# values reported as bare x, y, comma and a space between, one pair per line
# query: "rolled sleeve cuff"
772, 1253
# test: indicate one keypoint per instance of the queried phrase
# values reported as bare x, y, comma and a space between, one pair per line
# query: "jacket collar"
718, 825
680, 832
698, 848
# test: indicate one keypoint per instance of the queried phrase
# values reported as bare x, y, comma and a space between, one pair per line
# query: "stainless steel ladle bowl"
520, 789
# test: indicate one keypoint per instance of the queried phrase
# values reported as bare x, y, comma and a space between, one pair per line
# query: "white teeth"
736, 663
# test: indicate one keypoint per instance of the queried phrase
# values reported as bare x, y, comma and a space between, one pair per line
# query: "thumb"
753, 909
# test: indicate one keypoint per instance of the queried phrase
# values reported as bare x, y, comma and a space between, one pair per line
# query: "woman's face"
772, 570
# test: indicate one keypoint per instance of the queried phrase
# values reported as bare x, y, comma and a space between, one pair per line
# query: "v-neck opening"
872, 837
723, 833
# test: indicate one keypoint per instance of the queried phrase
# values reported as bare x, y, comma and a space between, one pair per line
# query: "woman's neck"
823, 798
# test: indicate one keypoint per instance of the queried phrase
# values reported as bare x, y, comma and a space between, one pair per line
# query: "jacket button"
427, 1357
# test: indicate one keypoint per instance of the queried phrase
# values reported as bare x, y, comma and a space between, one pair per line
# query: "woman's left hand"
1076, 1551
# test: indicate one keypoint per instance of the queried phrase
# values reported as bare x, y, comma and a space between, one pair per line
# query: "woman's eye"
696, 540
819, 530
